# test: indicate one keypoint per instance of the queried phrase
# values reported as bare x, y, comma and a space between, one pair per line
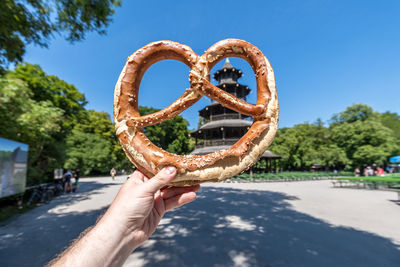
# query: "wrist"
111, 243
115, 231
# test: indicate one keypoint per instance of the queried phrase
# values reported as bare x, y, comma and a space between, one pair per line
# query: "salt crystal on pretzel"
195, 169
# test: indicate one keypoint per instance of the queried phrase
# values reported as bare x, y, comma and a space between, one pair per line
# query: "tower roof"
227, 74
227, 64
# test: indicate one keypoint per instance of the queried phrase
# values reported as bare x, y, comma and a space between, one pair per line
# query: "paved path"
249, 224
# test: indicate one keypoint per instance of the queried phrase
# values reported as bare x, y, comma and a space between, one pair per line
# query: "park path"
230, 224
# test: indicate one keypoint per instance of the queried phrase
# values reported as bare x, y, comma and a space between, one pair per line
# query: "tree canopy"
171, 135
33, 122
35, 21
306, 144
49, 115
356, 137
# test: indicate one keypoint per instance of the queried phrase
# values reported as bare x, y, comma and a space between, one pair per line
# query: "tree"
171, 135
392, 121
46, 109
100, 125
13, 102
363, 137
35, 21
88, 152
35, 123
306, 144
327, 155
95, 122
357, 112
48, 114
46, 87
369, 155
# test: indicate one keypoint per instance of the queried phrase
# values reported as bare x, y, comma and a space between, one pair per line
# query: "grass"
12, 205
9, 207
9, 211
291, 175
390, 180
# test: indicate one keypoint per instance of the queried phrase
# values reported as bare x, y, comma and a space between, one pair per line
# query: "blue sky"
326, 54
9, 145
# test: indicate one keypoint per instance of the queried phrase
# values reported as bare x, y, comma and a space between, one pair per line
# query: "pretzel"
194, 169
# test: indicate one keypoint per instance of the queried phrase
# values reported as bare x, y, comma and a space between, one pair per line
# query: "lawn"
291, 175
390, 180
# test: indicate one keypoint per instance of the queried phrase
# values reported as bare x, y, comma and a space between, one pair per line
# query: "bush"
291, 175
392, 180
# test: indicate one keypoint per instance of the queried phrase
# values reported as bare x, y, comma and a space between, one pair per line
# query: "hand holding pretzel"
194, 169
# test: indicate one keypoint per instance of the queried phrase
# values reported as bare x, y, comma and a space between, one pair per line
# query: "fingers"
162, 178
137, 177
179, 200
174, 191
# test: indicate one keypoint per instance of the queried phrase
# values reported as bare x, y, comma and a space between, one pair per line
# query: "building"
222, 127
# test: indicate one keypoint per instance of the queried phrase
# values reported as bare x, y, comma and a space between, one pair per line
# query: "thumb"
161, 179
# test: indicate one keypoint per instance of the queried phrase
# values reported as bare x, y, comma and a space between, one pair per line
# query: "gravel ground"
306, 223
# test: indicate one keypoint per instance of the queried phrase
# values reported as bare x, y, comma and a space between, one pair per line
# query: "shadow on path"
223, 227
35, 237
228, 227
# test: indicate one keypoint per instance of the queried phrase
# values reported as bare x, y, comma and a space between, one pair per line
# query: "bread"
194, 169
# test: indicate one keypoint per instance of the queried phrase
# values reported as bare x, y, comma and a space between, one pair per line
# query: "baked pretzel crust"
194, 169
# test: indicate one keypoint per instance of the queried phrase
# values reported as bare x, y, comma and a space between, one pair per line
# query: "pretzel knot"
193, 169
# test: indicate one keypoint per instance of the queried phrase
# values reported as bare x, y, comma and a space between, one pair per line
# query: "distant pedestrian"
113, 172
388, 169
77, 175
380, 172
357, 172
68, 184
365, 172
370, 171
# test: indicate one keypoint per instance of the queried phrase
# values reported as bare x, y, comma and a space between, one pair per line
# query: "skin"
130, 220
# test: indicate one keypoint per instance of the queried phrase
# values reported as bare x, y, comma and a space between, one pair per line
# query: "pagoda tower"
222, 127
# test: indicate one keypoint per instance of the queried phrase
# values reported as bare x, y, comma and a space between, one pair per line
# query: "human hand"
142, 202
131, 219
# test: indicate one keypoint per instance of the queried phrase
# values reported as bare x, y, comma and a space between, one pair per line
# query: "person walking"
113, 172
77, 175
68, 184
357, 172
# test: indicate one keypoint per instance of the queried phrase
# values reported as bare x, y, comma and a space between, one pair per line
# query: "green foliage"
366, 140
369, 155
35, 21
306, 144
13, 101
40, 123
357, 112
291, 175
44, 87
391, 121
95, 122
40, 110
26, 120
89, 152
9, 206
171, 135
49, 114
389, 180
97, 125
355, 137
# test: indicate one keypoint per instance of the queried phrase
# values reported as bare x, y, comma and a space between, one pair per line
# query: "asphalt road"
253, 224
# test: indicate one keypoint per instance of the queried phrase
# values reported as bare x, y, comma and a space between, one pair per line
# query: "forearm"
130, 220
104, 245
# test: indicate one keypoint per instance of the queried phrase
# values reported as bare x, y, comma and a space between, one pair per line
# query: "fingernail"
170, 170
